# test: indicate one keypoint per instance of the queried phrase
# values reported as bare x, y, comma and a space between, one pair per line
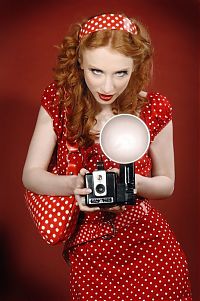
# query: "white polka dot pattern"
140, 262
108, 21
104, 224
130, 256
54, 216
156, 114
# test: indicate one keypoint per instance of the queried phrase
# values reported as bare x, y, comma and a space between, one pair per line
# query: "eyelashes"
96, 71
121, 73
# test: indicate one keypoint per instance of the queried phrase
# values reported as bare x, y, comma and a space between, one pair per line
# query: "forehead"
106, 57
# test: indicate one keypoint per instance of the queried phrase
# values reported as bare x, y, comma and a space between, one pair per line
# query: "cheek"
122, 85
90, 82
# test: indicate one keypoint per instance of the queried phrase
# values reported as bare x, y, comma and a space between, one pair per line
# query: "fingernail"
89, 190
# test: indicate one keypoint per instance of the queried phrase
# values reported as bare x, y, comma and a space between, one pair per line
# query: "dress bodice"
156, 113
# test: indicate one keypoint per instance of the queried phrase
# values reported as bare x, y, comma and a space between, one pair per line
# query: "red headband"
107, 21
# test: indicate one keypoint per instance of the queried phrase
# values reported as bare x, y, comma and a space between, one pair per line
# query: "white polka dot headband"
107, 21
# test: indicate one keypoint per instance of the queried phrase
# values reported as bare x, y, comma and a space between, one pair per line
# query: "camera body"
109, 189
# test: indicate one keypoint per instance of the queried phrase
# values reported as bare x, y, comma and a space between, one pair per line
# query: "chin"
106, 103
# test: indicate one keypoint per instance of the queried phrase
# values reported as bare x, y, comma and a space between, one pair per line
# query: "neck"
106, 109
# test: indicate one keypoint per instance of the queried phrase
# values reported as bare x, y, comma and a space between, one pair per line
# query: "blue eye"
96, 71
122, 73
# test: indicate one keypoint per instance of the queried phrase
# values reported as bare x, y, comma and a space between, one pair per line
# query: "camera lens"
100, 188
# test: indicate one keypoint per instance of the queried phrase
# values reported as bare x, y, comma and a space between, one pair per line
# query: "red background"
31, 269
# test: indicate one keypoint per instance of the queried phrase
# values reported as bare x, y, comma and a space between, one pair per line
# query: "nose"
108, 85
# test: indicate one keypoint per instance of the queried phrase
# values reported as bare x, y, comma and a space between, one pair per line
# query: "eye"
96, 71
122, 73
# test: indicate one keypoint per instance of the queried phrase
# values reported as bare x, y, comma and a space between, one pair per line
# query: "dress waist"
103, 224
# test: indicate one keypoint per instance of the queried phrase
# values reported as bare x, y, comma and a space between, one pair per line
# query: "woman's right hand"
80, 191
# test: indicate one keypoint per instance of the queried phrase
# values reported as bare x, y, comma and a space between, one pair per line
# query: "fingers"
88, 209
82, 191
115, 209
80, 178
83, 207
79, 195
83, 171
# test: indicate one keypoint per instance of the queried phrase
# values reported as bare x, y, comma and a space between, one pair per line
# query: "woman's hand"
114, 209
80, 192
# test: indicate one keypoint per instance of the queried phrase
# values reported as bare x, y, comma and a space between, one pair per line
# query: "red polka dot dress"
133, 255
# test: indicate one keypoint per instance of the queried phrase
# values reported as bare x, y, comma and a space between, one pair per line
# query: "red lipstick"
105, 97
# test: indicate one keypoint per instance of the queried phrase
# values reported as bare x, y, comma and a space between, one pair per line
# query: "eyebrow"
120, 70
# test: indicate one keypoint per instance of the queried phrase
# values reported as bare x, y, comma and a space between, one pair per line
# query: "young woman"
122, 252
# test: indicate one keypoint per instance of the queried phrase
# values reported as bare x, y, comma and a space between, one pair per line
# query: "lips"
105, 97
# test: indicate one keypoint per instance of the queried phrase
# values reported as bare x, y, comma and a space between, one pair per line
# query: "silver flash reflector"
124, 138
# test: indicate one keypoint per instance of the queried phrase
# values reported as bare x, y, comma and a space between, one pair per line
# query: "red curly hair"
74, 94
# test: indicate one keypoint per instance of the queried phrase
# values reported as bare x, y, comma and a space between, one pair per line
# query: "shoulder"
50, 101
157, 112
50, 96
158, 104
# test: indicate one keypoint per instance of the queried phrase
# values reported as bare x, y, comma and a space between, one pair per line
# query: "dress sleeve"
50, 102
159, 113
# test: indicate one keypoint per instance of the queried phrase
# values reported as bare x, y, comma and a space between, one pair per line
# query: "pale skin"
109, 77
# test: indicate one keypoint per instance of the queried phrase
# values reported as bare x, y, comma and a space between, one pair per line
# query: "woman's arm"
161, 184
35, 175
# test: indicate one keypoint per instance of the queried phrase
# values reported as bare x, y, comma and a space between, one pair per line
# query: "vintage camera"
123, 139
109, 189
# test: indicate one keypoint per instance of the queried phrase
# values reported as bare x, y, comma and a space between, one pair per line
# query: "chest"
88, 157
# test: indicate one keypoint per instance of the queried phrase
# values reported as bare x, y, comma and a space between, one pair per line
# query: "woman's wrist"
138, 179
70, 184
